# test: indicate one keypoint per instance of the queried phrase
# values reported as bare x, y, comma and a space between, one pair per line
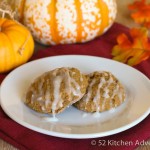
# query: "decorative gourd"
66, 21
16, 44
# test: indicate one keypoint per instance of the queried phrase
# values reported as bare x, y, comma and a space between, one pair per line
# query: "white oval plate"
74, 123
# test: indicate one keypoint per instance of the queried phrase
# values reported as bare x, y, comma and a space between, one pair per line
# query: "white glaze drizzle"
50, 119
57, 82
97, 97
120, 95
87, 96
39, 98
40, 85
81, 78
106, 92
84, 115
96, 114
57, 77
77, 90
32, 98
47, 93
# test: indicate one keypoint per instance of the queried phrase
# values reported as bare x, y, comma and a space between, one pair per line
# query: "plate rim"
107, 59
73, 135
80, 136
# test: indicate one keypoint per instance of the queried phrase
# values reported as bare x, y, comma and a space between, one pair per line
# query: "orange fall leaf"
132, 51
141, 12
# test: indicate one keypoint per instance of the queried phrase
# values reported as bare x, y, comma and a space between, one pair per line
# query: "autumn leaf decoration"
134, 50
141, 12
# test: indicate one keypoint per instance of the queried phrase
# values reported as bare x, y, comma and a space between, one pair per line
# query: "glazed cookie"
103, 93
53, 91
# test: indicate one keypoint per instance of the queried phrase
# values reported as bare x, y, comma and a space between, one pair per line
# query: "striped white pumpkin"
66, 21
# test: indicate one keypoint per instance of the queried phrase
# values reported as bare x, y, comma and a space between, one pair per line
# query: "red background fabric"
25, 139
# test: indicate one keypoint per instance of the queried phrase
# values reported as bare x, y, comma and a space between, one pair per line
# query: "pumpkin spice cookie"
103, 93
55, 90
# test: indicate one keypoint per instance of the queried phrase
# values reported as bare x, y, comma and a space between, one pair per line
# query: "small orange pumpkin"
66, 21
16, 44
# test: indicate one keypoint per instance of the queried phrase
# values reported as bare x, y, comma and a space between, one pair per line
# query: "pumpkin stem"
21, 49
4, 12
5, 9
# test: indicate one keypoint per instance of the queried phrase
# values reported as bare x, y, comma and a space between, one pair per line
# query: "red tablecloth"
24, 138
